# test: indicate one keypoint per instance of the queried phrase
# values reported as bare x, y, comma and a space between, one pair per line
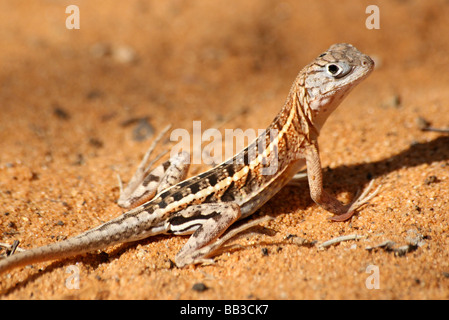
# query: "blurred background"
178, 61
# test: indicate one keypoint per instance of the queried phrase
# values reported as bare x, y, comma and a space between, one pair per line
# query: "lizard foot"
357, 203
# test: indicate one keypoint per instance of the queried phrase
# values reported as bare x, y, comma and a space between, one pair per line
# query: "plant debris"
414, 239
300, 241
11, 249
337, 240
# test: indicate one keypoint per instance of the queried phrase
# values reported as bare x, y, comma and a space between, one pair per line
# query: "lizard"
205, 206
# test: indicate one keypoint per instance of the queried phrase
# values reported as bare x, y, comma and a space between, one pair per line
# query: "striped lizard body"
207, 205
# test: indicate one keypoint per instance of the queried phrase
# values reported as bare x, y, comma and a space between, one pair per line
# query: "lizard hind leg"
151, 183
207, 222
210, 223
147, 182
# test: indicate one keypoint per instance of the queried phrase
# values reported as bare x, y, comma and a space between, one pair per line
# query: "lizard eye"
333, 68
338, 71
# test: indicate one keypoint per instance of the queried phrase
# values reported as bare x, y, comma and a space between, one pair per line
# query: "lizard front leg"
325, 200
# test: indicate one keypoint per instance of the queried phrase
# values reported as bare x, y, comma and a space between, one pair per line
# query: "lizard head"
330, 78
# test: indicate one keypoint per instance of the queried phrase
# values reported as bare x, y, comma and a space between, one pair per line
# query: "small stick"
435, 129
12, 247
339, 239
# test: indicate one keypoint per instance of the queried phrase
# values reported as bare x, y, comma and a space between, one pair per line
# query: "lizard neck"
297, 120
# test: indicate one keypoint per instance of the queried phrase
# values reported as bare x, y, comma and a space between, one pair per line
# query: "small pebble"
143, 130
124, 54
430, 179
199, 287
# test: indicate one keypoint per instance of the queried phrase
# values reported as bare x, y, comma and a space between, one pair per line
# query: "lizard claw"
364, 198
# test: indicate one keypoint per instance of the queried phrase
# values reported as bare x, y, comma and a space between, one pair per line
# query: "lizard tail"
58, 250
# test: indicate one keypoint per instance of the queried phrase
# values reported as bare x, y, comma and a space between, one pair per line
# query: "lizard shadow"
350, 178
417, 154
87, 260
52, 266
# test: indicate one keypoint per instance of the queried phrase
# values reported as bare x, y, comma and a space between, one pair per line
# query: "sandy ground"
79, 106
